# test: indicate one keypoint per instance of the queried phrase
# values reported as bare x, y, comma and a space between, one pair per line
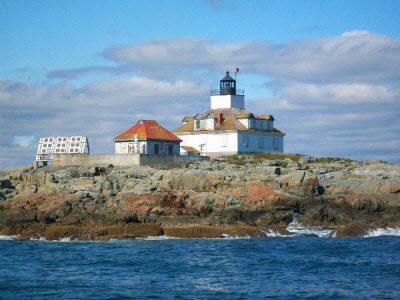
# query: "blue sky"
327, 70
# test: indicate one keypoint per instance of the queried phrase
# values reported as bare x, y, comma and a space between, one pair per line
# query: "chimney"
219, 119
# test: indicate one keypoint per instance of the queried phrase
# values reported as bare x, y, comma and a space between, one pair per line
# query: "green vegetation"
276, 156
256, 158
171, 167
187, 165
329, 160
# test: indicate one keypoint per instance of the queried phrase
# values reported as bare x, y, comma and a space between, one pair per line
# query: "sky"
328, 71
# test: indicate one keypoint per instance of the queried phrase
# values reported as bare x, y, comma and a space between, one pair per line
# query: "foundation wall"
124, 160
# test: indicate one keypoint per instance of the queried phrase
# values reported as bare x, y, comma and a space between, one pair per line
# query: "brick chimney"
219, 119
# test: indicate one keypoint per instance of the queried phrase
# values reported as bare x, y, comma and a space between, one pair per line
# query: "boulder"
303, 160
299, 183
190, 231
353, 230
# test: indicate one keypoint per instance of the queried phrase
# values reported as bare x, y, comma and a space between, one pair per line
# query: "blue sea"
271, 267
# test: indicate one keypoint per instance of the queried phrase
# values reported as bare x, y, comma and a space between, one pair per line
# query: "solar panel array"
61, 145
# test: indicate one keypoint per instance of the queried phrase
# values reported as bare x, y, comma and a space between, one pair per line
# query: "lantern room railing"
218, 92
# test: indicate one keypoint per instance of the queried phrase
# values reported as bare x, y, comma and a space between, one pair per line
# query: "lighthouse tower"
227, 127
227, 96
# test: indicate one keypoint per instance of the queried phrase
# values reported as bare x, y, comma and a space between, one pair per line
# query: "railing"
218, 92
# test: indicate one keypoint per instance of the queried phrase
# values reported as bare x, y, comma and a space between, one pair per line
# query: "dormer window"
197, 124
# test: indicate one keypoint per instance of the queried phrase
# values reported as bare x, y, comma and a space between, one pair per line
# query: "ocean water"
271, 267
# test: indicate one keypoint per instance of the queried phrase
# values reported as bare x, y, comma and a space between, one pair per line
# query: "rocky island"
234, 195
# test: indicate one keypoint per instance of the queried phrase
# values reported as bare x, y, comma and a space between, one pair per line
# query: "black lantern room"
227, 85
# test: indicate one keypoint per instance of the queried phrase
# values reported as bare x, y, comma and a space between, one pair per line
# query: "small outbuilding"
189, 151
147, 137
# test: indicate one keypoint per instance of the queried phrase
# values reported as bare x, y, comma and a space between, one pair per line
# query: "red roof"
147, 129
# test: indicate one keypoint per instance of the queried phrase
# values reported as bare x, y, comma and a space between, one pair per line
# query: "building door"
156, 149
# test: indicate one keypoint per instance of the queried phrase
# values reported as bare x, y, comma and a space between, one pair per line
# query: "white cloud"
352, 56
335, 95
24, 140
100, 111
342, 93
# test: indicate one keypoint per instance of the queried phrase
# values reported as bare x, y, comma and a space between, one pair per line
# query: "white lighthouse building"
228, 128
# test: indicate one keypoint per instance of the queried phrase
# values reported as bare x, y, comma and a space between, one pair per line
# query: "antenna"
237, 71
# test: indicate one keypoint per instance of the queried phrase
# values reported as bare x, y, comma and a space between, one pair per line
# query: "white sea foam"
309, 230
65, 239
8, 237
384, 231
272, 233
232, 237
158, 238
297, 229
37, 237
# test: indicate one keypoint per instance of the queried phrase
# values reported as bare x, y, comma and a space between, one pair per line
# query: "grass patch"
276, 156
238, 162
187, 165
171, 167
330, 160
256, 158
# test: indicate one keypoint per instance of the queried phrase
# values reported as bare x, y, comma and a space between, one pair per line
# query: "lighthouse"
227, 128
227, 96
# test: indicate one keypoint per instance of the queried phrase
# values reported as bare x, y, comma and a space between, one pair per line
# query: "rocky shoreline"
238, 196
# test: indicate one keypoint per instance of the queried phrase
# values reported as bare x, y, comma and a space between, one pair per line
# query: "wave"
272, 233
384, 231
166, 237
8, 237
317, 231
157, 238
225, 236
37, 237
299, 229
66, 239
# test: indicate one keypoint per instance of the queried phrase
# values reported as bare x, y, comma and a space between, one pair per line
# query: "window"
252, 124
261, 142
225, 141
196, 124
245, 141
170, 149
156, 149
275, 144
